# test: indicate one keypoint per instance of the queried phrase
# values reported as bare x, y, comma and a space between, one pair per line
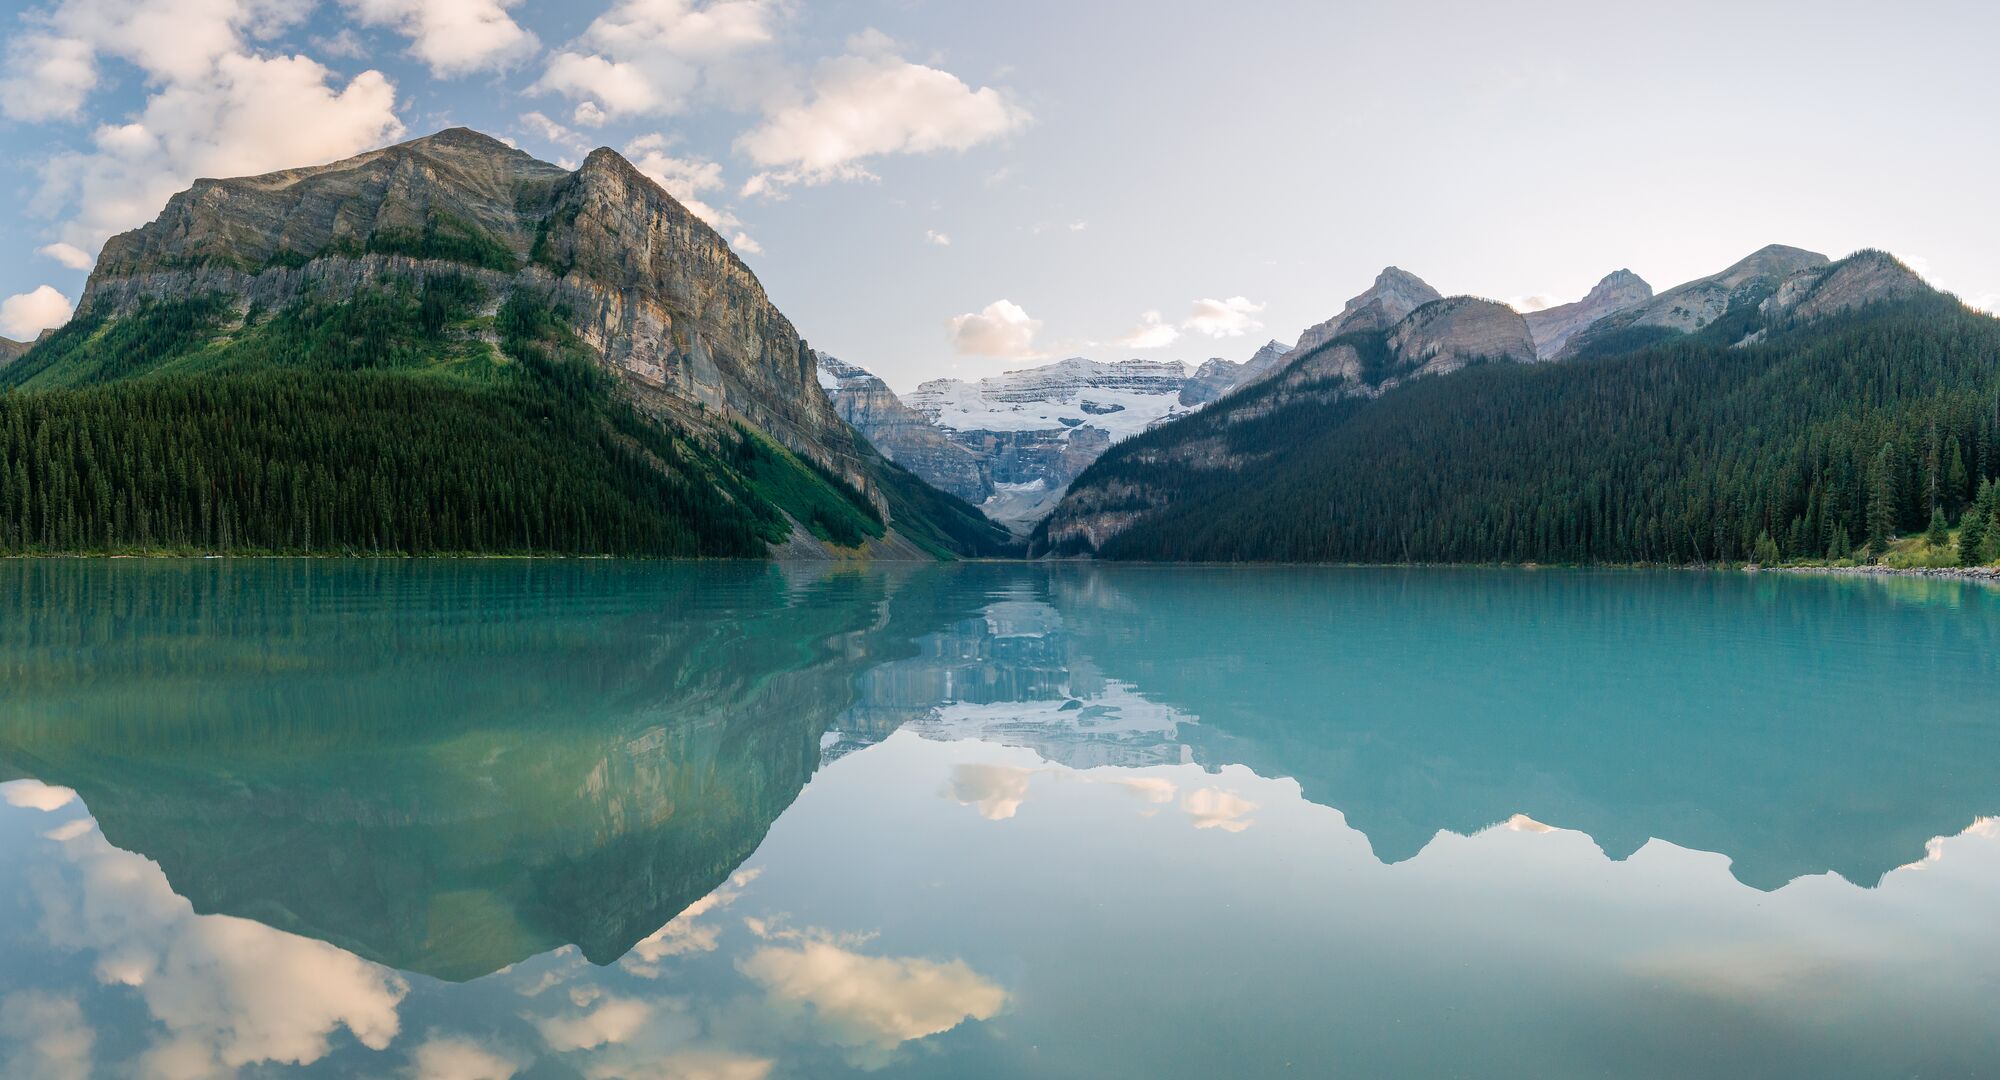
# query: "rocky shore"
1987, 574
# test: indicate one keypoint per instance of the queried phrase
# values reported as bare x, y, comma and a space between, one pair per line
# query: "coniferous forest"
390, 423
1820, 441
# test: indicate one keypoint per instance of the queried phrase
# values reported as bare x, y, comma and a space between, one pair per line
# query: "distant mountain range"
1011, 443
1787, 400
444, 345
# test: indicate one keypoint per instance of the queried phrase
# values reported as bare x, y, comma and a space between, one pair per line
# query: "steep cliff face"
651, 287
1621, 290
473, 252
907, 436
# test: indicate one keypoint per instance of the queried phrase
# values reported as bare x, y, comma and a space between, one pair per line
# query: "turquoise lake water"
587, 819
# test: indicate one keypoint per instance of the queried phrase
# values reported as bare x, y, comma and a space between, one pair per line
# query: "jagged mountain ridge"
626, 279
11, 350
1239, 449
1553, 327
1011, 443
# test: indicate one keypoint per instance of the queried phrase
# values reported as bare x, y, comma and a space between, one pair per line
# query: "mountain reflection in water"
456, 769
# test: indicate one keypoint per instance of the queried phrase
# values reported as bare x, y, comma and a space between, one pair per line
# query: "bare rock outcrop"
1552, 328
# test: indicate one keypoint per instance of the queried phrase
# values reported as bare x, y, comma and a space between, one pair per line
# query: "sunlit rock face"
1553, 327
656, 291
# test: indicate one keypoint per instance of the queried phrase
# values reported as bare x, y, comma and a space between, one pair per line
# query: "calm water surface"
464, 820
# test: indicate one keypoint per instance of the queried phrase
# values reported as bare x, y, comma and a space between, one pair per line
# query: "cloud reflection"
230, 992
48, 1032
35, 795
869, 1004
997, 790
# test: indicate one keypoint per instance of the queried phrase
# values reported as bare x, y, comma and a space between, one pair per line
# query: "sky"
944, 188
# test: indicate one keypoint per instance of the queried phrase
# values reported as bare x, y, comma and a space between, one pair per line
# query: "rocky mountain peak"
1864, 277
1553, 328
1395, 293
11, 350
1445, 335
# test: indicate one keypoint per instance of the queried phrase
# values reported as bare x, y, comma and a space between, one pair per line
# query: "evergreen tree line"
1820, 441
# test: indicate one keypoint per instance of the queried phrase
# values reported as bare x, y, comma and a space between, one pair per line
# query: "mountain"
1621, 290
1011, 443
447, 345
1696, 305
1217, 376
1394, 295
11, 350
1823, 402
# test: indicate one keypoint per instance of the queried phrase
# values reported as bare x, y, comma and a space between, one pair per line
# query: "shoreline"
1989, 575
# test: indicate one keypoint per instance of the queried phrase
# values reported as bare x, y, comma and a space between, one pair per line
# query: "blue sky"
949, 188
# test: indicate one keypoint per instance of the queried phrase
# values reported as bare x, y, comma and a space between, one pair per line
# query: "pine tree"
1957, 485
1838, 548
1976, 523
1766, 551
1939, 533
1882, 501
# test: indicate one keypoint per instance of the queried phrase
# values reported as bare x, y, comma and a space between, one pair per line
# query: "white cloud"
24, 315
1214, 808
228, 992
1003, 331
871, 1004
47, 77
685, 179
1233, 317
1153, 332
250, 114
1537, 302
448, 1058
540, 124
686, 933
47, 1036
67, 254
172, 41
870, 103
997, 790
936, 237
452, 37
651, 57
1078, 226
615, 1021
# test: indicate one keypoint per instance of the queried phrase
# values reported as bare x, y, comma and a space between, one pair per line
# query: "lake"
601, 819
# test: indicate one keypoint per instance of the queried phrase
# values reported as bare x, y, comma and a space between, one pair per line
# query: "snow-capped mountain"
1011, 443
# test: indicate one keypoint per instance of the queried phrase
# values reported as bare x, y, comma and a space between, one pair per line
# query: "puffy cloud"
47, 76
453, 37
615, 1021
1003, 331
172, 41
1536, 302
1214, 808
685, 179
649, 57
868, 104
33, 794
446, 1058
686, 933
24, 315
871, 1004
251, 114
216, 105
1153, 332
229, 992
997, 790
67, 254
1153, 789
1233, 317
48, 1034
935, 237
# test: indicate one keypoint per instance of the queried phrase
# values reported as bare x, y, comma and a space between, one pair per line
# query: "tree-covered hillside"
1817, 439
400, 421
